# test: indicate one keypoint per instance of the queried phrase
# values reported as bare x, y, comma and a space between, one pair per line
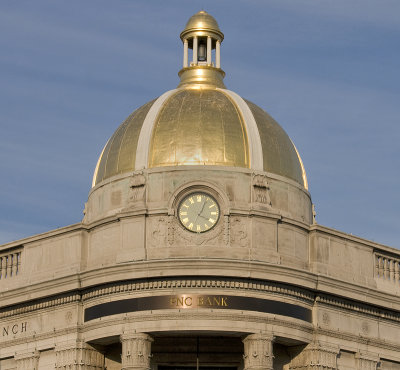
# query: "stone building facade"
199, 250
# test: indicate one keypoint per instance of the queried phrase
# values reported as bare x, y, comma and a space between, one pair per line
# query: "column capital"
128, 335
367, 361
258, 351
136, 350
80, 353
259, 336
316, 355
27, 360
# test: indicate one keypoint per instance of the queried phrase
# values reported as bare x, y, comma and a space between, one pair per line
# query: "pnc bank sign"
183, 302
196, 301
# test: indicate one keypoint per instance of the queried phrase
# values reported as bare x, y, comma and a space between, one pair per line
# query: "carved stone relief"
177, 235
78, 355
326, 319
316, 356
258, 352
159, 234
261, 190
366, 361
27, 361
238, 232
137, 187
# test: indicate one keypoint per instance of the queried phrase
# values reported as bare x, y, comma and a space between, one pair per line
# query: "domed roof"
200, 123
202, 21
205, 126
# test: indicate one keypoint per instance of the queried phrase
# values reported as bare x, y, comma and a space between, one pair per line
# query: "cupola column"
136, 351
258, 352
185, 53
209, 43
195, 49
218, 54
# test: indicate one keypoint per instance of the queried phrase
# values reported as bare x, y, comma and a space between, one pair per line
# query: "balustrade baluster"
380, 262
391, 269
10, 264
385, 268
18, 261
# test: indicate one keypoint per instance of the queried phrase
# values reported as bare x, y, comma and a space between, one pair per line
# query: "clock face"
198, 212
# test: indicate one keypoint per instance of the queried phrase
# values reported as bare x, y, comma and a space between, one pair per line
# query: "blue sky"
326, 70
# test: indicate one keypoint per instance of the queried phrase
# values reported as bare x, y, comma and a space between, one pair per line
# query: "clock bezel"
194, 193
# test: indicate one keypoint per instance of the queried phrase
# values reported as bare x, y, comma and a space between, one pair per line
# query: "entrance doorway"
197, 353
194, 368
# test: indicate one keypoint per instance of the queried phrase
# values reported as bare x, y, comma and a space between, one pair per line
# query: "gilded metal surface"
119, 153
204, 75
303, 170
199, 127
202, 24
279, 155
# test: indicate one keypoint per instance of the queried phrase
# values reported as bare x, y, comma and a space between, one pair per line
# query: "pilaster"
316, 356
78, 356
27, 360
258, 352
136, 351
366, 361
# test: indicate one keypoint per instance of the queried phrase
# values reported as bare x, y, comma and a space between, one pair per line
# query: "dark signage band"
190, 301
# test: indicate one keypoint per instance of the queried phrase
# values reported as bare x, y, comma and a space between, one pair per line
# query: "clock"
198, 212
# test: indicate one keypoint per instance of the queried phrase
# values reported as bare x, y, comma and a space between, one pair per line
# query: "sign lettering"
14, 329
195, 301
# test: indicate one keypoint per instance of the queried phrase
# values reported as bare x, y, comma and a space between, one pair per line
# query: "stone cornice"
357, 307
356, 339
210, 268
210, 283
153, 285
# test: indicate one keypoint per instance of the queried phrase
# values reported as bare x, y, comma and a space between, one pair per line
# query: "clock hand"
201, 210
198, 214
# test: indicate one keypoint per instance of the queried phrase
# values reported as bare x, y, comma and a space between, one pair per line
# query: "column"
195, 49
78, 355
316, 356
27, 360
185, 53
136, 351
218, 54
258, 352
209, 46
366, 361
9, 265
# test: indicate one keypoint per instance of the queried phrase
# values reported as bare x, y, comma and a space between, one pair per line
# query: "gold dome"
200, 123
199, 127
202, 22
203, 126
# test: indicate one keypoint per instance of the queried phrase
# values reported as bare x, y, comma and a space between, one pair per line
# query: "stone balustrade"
10, 262
387, 267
